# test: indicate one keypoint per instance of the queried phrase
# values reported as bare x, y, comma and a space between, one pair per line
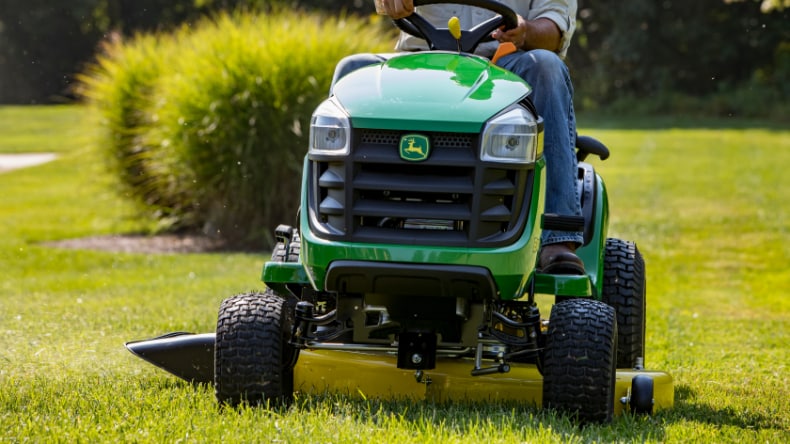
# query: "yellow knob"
454, 25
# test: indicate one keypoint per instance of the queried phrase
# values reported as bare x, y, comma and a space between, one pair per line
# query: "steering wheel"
440, 38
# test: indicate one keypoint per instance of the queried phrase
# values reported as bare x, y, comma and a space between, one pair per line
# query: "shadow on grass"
515, 418
688, 409
503, 419
180, 243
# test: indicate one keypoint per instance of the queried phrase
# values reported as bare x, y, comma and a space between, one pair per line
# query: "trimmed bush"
207, 127
120, 88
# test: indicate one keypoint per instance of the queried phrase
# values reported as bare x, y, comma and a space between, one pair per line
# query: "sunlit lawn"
707, 207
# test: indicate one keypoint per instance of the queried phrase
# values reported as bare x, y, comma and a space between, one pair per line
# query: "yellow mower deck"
376, 376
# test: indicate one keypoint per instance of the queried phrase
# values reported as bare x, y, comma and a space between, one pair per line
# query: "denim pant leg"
552, 94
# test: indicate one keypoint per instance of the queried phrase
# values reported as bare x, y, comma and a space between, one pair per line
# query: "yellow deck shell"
376, 376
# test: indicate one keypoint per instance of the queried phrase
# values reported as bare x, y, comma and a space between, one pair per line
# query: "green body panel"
277, 274
564, 285
592, 254
402, 92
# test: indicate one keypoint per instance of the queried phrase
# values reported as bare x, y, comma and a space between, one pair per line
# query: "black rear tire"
578, 366
253, 360
624, 289
289, 252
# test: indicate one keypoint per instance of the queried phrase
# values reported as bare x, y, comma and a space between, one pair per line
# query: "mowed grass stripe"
707, 208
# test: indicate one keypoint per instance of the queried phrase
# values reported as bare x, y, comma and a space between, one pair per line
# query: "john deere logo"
414, 147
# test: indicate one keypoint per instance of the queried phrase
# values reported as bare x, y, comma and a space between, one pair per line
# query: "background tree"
644, 48
44, 43
637, 50
41, 43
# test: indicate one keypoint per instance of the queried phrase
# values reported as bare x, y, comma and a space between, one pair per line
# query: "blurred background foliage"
720, 57
711, 57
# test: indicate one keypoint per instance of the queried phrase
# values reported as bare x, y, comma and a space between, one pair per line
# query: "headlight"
511, 137
329, 130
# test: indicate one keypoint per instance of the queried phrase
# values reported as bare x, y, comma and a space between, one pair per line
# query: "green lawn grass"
36, 129
707, 207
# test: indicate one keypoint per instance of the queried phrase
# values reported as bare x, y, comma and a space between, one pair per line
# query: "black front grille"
451, 198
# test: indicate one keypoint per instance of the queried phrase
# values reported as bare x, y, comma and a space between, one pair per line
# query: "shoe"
560, 259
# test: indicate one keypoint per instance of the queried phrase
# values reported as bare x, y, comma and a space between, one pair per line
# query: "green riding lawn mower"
412, 271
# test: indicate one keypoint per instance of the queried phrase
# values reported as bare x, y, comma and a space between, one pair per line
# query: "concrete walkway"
10, 162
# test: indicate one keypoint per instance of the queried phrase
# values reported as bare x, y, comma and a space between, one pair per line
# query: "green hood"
429, 91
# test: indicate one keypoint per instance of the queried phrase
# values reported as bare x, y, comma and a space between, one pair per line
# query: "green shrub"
120, 88
208, 127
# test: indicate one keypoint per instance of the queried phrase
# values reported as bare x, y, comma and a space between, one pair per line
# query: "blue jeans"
552, 94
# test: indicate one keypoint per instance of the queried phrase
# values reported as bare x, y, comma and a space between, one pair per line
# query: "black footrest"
557, 222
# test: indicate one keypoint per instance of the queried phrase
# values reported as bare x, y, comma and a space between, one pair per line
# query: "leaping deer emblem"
414, 149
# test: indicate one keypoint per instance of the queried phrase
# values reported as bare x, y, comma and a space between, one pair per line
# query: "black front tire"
253, 360
624, 289
578, 366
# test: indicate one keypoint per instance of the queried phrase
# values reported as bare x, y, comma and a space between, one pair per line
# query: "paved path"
10, 162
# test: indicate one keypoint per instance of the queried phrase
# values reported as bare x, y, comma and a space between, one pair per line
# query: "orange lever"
503, 50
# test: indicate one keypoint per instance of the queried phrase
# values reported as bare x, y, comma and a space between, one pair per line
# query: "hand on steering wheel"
440, 38
396, 9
